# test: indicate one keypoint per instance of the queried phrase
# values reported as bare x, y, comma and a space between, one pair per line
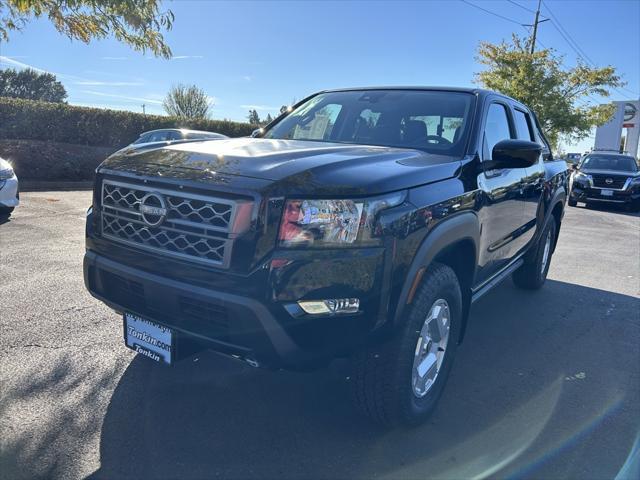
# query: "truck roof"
480, 92
472, 90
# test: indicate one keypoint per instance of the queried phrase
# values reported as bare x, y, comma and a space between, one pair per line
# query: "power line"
491, 13
521, 6
558, 26
630, 91
576, 47
569, 39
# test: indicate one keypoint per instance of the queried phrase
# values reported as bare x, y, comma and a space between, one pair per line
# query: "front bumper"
9, 196
239, 318
582, 193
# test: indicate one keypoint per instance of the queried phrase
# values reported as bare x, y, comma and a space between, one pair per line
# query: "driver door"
502, 213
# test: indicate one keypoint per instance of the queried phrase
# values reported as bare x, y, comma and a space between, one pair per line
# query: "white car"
9, 196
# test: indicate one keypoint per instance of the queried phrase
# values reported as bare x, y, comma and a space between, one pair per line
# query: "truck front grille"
174, 223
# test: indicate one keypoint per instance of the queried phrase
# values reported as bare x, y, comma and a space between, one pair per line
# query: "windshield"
620, 163
434, 121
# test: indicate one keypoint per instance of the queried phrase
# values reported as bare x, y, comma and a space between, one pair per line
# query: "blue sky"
265, 54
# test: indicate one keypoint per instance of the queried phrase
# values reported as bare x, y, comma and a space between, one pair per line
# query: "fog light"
331, 305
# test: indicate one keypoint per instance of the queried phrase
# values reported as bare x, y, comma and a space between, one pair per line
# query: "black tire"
572, 203
382, 383
532, 275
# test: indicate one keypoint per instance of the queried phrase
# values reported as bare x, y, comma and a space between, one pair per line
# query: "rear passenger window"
523, 125
496, 128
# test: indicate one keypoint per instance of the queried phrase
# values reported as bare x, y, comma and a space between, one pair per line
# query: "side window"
160, 136
173, 135
523, 125
496, 128
319, 127
143, 138
546, 149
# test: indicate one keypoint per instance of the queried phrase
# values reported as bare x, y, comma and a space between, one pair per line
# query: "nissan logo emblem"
630, 111
609, 181
153, 209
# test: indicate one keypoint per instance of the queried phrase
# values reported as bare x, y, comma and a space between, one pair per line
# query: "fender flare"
463, 226
559, 197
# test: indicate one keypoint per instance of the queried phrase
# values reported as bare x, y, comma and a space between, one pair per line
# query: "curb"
52, 185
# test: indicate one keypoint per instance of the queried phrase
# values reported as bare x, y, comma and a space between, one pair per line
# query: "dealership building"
624, 123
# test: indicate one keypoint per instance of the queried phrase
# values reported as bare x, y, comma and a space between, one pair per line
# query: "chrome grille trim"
619, 183
197, 228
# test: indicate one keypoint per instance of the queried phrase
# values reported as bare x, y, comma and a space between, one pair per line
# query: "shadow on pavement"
45, 405
535, 377
5, 218
612, 208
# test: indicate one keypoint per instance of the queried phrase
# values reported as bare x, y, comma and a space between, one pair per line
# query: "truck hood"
594, 171
290, 167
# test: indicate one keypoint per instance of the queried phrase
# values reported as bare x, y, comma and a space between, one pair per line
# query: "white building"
626, 117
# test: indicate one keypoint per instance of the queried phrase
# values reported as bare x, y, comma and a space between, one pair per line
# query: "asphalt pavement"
545, 385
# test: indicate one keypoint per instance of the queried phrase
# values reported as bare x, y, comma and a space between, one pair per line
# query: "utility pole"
143, 110
535, 27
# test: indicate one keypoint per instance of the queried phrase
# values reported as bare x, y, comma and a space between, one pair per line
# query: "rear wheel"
400, 381
533, 273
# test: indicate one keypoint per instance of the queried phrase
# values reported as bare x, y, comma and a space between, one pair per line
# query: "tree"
268, 119
137, 23
187, 102
555, 92
31, 85
283, 109
253, 117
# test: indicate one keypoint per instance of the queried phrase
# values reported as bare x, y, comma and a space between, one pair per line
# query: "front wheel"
400, 381
533, 273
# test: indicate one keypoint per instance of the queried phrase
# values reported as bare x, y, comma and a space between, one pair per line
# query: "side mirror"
257, 133
514, 154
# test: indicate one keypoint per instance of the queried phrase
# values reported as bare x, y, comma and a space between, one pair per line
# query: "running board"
499, 277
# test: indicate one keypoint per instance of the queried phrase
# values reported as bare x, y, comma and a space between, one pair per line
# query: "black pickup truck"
363, 223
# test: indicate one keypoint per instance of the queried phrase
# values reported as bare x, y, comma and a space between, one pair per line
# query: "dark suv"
609, 178
363, 223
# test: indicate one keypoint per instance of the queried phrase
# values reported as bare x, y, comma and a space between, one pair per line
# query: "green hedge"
57, 122
39, 160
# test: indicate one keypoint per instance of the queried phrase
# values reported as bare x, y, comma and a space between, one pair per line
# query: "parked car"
9, 191
362, 224
173, 134
573, 158
611, 178
167, 136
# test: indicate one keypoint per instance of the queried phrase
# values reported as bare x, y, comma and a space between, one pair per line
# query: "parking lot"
546, 384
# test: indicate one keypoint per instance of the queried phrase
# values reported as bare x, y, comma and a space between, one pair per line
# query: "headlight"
583, 177
323, 223
635, 180
6, 174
